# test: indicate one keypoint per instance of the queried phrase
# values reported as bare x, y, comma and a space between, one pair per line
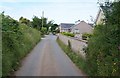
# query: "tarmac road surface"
48, 59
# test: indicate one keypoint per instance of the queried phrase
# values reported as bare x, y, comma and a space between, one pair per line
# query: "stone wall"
76, 45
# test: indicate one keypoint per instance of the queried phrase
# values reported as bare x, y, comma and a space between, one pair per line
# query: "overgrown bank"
103, 52
77, 59
17, 41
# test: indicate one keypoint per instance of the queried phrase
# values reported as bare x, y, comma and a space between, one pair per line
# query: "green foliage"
44, 22
37, 23
0, 46
25, 21
57, 30
44, 30
102, 52
16, 44
8, 23
53, 27
103, 55
86, 36
77, 59
68, 34
42, 25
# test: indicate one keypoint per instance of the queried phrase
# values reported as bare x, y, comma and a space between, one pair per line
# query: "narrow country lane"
47, 59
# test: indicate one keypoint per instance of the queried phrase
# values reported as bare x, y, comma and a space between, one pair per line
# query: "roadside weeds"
78, 60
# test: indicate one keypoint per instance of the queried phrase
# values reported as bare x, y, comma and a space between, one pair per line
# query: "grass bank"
77, 59
68, 34
15, 45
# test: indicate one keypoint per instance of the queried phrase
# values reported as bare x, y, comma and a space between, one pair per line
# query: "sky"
61, 11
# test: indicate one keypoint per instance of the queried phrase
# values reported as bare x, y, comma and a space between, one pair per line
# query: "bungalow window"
76, 31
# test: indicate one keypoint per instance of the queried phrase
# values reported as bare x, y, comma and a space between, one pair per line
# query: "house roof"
66, 25
91, 24
83, 23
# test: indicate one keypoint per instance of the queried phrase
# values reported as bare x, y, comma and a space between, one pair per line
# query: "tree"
44, 22
25, 21
36, 23
44, 30
49, 25
8, 23
53, 27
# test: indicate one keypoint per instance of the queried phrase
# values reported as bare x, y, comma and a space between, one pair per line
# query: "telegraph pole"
42, 18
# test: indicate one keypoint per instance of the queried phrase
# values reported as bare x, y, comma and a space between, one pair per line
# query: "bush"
43, 30
17, 41
68, 34
103, 55
86, 36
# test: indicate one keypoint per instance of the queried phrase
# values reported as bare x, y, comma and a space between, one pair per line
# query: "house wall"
83, 27
100, 17
65, 30
77, 31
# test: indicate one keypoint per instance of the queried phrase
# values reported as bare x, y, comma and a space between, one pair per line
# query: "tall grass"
0, 53
77, 59
15, 45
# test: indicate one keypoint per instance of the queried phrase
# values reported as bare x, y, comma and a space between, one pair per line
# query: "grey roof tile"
66, 25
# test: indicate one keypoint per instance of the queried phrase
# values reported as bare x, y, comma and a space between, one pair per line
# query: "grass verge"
76, 59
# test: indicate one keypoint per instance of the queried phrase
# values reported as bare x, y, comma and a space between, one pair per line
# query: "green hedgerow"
17, 41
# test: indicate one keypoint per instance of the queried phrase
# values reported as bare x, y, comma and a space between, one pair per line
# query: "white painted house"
81, 28
100, 17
